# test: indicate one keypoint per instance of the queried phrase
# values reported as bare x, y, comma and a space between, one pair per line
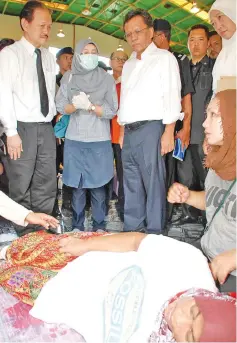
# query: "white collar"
29, 47
151, 48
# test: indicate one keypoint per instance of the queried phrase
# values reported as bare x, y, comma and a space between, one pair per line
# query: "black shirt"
185, 73
202, 81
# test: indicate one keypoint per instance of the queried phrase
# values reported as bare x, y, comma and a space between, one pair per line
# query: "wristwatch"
92, 108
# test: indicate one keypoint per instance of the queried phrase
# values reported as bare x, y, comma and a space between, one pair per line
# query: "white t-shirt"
115, 297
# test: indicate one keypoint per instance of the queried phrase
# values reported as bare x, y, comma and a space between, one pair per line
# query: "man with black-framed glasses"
149, 108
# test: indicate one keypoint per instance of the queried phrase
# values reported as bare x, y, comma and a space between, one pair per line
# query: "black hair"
112, 55
139, 12
199, 26
28, 10
213, 33
5, 42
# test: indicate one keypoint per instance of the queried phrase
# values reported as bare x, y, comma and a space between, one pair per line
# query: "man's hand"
73, 246
121, 136
167, 142
14, 147
121, 141
178, 193
42, 219
223, 264
184, 136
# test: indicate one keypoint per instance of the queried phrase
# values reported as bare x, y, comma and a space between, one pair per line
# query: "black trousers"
192, 173
119, 171
32, 177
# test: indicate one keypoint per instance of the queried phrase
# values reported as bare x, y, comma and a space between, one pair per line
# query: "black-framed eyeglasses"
137, 33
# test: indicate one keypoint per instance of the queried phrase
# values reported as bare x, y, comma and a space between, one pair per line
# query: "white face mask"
89, 61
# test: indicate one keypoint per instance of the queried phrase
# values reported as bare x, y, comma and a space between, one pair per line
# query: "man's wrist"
169, 128
92, 108
189, 199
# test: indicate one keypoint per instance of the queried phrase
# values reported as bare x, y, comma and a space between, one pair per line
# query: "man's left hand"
167, 143
184, 136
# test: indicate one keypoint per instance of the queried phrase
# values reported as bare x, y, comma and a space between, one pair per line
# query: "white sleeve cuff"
11, 132
172, 119
3, 252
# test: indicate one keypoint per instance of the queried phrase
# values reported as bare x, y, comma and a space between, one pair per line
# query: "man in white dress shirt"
149, 108
27, 78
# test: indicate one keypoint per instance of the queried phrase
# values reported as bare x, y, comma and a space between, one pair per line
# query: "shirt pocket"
205, 80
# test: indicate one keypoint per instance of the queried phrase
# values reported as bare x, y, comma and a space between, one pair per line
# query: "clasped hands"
81, 101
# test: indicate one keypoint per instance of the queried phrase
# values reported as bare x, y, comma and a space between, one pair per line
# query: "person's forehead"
66, 55
214, 104
215, 13
137, 21
197, 33
42, 14
119, 54
215, 38
90, 46
158, 32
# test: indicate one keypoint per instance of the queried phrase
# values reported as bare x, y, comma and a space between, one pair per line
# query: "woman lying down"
129, 287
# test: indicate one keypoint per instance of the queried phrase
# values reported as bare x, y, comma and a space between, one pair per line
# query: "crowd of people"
84, 120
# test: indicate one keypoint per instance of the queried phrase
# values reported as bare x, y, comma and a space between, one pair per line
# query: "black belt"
136, 125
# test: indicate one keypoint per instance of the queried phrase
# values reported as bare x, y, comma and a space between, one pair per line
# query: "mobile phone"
178, 152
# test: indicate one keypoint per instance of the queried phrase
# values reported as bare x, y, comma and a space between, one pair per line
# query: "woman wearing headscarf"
223, 18
219, 198
88, 95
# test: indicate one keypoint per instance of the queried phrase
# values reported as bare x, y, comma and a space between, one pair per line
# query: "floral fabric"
32, 260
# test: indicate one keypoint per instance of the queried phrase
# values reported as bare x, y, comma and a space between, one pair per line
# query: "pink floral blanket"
17, 325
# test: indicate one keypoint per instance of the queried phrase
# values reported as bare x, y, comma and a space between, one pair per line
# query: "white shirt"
150, 88
19, 96
10, 210
115, 297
